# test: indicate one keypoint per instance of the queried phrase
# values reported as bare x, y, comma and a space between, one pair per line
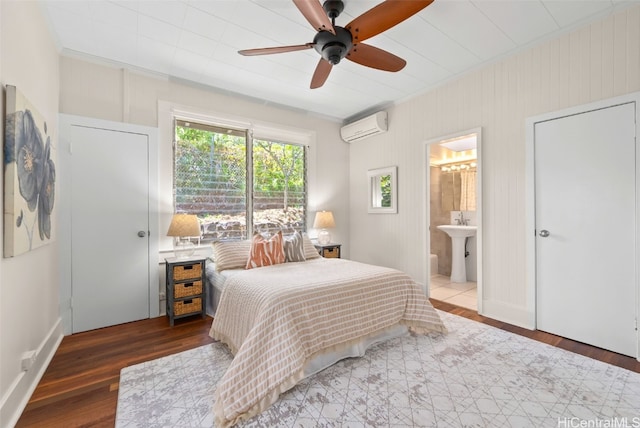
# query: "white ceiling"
198, 40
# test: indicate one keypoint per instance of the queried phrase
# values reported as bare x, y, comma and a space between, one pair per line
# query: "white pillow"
310, 251
231, 254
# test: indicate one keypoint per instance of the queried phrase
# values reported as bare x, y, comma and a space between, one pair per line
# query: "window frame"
269, 134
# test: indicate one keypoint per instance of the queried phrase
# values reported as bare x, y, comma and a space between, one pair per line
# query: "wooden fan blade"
384, 16
322, 72
279, 49
315, 14
373, 57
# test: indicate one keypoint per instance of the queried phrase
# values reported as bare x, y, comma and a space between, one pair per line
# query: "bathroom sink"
459, 235
458, 231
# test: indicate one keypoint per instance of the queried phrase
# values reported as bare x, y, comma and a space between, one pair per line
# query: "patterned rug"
475, 376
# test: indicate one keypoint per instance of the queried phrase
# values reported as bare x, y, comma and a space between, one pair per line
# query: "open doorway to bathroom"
453, 201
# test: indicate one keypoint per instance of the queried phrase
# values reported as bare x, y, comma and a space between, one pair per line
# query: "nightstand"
329, 251
185, 287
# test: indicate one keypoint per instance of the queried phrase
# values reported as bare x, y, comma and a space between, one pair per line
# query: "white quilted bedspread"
276, 318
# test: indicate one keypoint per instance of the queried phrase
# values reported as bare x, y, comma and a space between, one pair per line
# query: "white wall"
104, 91
107, 92
599, 61
29, 316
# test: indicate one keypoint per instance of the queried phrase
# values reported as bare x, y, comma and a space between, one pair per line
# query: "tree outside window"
211, 180
279, 197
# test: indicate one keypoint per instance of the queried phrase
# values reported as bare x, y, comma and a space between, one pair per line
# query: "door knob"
544, 233
142, 234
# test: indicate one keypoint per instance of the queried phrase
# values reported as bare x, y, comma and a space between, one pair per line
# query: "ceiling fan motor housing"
333, 8
333, 47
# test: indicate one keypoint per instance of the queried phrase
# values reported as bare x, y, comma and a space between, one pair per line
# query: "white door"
109, 210
585, 215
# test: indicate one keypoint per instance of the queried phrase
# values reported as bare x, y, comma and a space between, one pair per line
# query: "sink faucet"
462, 221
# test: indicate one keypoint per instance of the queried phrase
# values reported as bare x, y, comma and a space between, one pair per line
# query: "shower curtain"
450, 185
467, 190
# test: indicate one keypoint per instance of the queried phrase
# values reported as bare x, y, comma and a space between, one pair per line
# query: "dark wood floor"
80, 386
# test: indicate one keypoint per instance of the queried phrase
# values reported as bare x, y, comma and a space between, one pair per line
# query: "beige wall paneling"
597, 61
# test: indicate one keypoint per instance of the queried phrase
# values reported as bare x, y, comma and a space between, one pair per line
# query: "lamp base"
183, 248
324, 237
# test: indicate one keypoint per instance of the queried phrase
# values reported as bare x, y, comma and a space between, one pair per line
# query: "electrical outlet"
28, 359
163, 296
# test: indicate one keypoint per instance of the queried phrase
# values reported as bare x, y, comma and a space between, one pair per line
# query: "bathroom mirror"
383, 190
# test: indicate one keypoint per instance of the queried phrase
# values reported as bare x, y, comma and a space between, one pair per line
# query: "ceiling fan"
334, 43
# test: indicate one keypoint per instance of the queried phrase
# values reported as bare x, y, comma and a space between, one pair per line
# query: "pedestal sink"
458, 234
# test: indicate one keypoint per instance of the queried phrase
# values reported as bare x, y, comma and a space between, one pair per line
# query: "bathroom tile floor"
461, 294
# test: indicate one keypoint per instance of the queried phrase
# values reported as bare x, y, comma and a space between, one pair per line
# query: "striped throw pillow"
294, 248
265, 252
310, 251
231, 254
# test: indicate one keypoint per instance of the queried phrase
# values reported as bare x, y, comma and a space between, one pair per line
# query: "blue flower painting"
29, 177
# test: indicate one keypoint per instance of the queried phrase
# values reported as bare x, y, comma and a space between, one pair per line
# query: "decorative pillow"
265, 252
294, 248
310, 251
231, 254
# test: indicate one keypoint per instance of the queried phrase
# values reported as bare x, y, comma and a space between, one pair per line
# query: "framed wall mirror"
383, 190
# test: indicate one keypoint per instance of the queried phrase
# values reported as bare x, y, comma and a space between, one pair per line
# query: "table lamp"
182, 228
323, 221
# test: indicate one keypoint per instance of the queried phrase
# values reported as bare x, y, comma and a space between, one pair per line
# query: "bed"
286, 321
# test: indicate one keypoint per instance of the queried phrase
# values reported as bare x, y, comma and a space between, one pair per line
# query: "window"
213, 169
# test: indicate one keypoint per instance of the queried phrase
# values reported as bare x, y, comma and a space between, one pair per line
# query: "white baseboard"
516, 315
21, 389
64, 309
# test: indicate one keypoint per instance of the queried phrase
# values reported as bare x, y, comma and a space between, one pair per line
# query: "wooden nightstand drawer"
191, 271
331, 253
186, 289
182, 307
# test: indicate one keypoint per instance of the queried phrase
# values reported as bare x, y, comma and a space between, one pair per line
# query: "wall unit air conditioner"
366, 127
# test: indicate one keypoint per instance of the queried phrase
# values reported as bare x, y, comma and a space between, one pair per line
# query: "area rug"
474, 376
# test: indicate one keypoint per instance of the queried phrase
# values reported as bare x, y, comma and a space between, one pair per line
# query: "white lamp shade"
324, 220
184, 225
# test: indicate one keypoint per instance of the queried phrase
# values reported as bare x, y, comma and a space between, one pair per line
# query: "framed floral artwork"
29, 177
